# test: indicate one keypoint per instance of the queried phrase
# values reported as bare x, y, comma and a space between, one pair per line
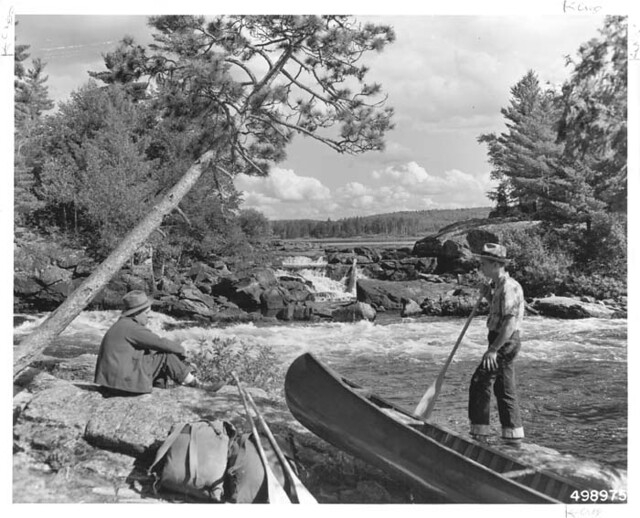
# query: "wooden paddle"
277, 493
428, 401
299, 493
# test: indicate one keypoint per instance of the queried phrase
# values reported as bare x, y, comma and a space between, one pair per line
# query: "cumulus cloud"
285, 185
285, 195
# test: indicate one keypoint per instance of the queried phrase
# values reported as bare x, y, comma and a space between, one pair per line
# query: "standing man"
132, 358
497, 367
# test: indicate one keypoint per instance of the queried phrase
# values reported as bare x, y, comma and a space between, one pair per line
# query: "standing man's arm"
490, 358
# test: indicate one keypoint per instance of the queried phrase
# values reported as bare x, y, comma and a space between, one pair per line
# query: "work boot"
211, 386
483, 439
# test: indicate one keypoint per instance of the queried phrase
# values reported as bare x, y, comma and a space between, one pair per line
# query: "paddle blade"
424, 404
277, 493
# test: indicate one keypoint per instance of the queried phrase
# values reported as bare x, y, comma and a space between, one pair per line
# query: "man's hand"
490, 361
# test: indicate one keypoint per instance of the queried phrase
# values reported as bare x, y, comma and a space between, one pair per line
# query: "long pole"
428, 401
285, 464
274, 487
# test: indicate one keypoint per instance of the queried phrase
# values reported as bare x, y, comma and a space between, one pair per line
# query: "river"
572, 374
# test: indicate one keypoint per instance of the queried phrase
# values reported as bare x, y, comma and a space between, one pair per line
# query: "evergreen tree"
31, 100
96, 177
242, 86
524, 157
593, 126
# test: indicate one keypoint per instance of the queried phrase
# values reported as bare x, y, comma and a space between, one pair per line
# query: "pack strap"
162, 451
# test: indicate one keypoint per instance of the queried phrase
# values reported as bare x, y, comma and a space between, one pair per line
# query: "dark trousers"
165, 366
503, 380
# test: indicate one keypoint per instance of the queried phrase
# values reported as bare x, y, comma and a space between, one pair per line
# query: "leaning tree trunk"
42, 336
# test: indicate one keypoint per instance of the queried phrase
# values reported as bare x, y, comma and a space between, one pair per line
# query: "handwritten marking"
581, 6
582, 512
634, 42
6, 34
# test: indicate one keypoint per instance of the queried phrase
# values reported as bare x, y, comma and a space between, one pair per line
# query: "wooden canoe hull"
394, 440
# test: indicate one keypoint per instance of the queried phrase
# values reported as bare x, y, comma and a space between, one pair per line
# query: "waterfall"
314, 271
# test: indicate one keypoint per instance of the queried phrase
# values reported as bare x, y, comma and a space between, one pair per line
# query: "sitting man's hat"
493, 252
135, 302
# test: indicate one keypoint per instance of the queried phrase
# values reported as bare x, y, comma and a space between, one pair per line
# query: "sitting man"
132, 358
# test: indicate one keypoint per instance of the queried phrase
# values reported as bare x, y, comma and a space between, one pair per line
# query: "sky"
447, 77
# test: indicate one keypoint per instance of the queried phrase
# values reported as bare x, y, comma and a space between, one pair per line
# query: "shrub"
538, 267
603, 249
597, 286
256, 366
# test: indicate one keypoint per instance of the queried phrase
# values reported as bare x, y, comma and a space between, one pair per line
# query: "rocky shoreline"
435, 278
73, 445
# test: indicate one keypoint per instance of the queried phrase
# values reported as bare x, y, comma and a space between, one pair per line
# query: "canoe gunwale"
301, 401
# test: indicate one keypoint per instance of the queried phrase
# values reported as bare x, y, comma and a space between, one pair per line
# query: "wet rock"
273, 299
187, 308
246, 292
410, 308
570, 308
298, 290
389, 294
354, 313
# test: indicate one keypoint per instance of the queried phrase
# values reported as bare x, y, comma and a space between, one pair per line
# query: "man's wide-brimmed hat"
493, 252
135, 301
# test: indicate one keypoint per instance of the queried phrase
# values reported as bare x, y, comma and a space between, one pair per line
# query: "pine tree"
524, 157
593, 126
308, 80
31, 101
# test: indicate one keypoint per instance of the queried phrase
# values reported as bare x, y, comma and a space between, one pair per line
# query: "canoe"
447, 466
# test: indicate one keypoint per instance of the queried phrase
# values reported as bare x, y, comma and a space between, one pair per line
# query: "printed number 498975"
602, 495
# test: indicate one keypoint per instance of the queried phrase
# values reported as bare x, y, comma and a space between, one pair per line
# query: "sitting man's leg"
166, 366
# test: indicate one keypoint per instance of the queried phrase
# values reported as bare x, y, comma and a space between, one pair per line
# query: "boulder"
24, 286
410, 308
247, 291
569, 308
52, 274
297, 289
273, 299
187, 308
429, 246
354, 313
456, 258
168, 286
389, 294
477, 237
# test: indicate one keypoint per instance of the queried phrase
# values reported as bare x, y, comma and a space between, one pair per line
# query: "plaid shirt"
507, 299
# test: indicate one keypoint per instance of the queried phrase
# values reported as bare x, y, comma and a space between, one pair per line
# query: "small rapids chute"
315, 271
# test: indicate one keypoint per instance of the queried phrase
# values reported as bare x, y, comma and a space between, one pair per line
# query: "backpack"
195, 460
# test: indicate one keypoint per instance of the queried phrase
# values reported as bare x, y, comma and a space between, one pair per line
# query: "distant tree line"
397, 224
